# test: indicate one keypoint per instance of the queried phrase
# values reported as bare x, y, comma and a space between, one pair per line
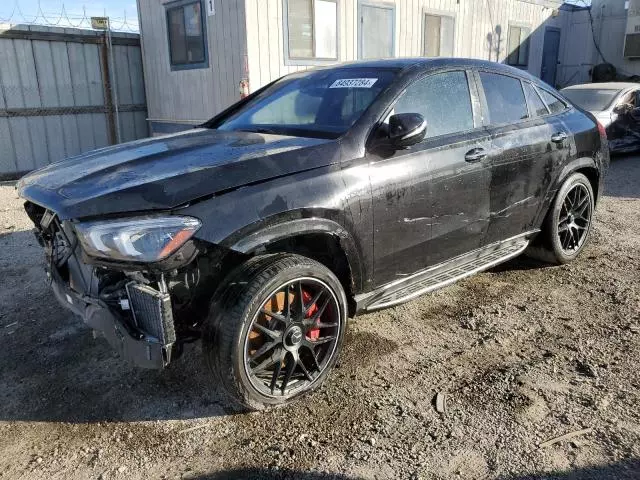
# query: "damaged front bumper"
130, 342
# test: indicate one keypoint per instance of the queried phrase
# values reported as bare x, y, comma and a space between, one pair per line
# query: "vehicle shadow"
622, 179
269, 474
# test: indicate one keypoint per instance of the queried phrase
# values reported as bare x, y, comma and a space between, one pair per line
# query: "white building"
196, 53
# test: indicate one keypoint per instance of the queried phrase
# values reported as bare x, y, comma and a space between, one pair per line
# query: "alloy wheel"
574, 219
293, 337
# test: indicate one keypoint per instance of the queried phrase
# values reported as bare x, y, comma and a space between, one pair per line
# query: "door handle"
475, 154
558, 137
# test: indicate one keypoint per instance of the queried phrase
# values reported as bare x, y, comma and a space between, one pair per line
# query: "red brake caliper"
314, 333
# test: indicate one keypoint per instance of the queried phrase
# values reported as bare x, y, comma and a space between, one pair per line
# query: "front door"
550, 55
431, 200
376, 33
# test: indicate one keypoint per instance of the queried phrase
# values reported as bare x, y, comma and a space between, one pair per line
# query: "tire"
565, 233
299, 349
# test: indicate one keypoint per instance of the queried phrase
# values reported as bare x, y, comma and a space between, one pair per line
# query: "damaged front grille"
152, 312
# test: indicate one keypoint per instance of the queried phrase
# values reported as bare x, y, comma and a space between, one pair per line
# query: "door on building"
550, 52
377, 30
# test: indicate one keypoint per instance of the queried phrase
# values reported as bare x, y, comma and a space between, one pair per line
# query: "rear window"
505, 98
591, 99
554, 103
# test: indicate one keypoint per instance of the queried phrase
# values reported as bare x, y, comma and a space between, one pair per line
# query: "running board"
445, 273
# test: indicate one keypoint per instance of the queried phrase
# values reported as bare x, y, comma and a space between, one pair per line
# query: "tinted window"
505, 98
535, 102
443, 100
186, 35
554, 103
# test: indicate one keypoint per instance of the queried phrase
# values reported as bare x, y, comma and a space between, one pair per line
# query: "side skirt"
443, 274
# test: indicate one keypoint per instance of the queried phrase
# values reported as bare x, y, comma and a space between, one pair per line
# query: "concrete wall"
53, 100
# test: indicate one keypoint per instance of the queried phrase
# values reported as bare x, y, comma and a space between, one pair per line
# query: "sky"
28, 11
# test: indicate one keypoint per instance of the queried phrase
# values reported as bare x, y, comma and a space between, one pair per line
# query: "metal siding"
59, 73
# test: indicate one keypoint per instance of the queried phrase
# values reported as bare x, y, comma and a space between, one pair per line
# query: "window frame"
308, 61
376, 4
561, 100
438, 13
529, 106
205, 41
520, 26
486, 116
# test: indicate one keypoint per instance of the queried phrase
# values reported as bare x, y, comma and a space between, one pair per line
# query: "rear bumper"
133, 345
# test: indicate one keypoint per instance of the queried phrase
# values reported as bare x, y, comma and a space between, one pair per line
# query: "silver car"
616, 106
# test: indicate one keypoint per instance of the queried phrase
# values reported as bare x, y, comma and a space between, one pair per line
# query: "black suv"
324, 194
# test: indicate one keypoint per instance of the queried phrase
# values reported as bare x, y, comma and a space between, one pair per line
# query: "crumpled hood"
165, 172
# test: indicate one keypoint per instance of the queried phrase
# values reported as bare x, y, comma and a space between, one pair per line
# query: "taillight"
602, 130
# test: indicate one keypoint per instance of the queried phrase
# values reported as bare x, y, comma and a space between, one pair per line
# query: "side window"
554, 103
535, 102
505, 98
443, 100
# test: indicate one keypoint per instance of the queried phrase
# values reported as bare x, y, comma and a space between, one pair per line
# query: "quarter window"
538, 108
505, 98
438, 35
443, 100
554, 103
185, 25
518, 46
312, 29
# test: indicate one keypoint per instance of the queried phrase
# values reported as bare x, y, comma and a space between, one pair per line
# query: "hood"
164, 172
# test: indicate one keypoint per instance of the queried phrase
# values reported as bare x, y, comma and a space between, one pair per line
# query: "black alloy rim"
575, 219
292, 338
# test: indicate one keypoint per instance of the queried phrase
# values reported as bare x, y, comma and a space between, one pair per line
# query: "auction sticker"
354, 83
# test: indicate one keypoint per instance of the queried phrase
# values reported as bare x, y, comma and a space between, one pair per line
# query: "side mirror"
406, 129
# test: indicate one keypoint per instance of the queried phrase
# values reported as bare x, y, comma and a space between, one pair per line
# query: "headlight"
141, 239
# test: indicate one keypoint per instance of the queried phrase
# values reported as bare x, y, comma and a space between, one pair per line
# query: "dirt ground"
523, 353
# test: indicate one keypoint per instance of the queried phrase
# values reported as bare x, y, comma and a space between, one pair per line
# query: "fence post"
108, 92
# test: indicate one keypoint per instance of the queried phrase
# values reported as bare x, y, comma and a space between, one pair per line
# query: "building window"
312, 30
187, 35
438, 35
518, 46
377, 30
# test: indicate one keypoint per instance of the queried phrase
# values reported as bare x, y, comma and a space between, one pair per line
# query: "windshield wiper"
259, 130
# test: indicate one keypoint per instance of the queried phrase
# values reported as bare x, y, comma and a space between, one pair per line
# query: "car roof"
440, 62
604, 86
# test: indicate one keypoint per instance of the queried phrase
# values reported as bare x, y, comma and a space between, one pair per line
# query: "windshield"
591, 99
323, 103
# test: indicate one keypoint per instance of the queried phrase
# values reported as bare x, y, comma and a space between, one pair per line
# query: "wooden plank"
39, 147
100, 130
136, 78
8, 162
121, 74
62, 73
22, 144
55, 138
28, 80
77, 66
94, 74
71, 136
85, 132
141, 125
46, 74
49, 36
127, 127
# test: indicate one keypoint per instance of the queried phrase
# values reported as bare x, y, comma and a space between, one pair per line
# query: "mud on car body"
326, 193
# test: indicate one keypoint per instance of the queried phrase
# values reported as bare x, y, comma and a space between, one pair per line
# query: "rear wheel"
568, 224
276, 330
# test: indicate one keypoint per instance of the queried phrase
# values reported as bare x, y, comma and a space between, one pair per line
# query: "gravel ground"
523, 353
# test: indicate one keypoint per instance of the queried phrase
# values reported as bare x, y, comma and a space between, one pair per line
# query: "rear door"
522, 153
431, 200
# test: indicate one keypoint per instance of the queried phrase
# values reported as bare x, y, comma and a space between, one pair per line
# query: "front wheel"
568, 224
276, 329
